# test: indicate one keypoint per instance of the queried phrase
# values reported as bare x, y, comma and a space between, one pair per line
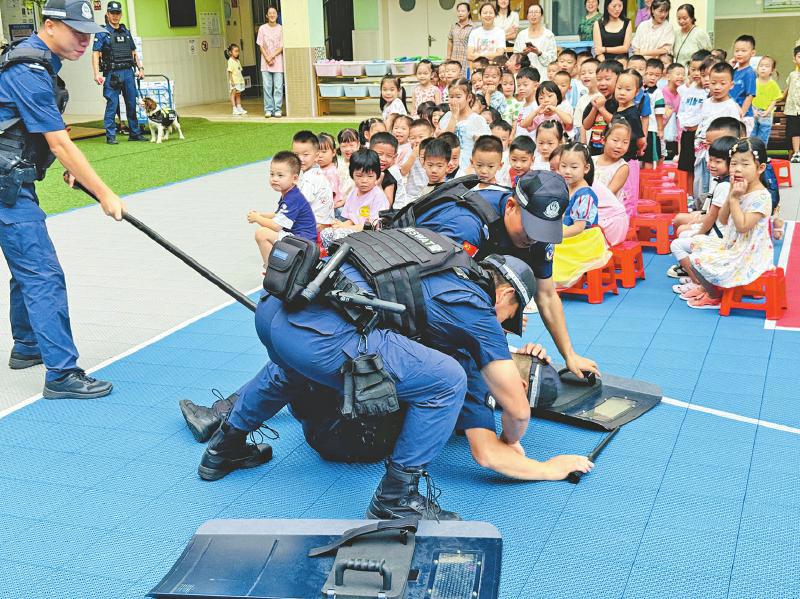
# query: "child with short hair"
690, 114
393, 98
527, 84
365, 202
638, 63
745, 250
293, 215
508, 86
326, 159
601, 108
452, 72
552, 69
348, 144
653, 153
588, 76
792, 108
549, 135
768, 92
411, 170
385, 146
312, 183
476, 81
462, 120
487, 158
568, 63
520, 157
425, 91
502, 131
676, 76
744, 78
549, 99
453, 167
435, 155
584, 247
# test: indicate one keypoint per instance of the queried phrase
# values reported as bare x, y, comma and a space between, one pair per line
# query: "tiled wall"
301, 92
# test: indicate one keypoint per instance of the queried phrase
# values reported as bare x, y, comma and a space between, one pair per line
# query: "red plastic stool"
648, 207
672, 201
652, 230
783, 171
649, 189
771, 286
595, 284
628, 263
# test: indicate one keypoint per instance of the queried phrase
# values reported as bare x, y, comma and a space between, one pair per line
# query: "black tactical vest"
395, 261
25, 156
117, 53
457, 191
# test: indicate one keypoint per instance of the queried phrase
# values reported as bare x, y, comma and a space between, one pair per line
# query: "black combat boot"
398, 496
203, 421
229, 450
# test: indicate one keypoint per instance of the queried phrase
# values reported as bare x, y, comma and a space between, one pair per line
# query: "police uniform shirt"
103, 39
26, 91
464, 227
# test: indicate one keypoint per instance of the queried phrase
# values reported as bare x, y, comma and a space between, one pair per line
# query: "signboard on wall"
20, 31
781, 4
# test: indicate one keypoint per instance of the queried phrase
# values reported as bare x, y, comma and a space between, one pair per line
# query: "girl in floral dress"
745, 251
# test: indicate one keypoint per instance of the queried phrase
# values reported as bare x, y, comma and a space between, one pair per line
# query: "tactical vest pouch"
14, 171
292, 264
368, 389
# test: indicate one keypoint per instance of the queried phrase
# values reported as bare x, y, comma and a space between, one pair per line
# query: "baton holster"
115, 83
369, 389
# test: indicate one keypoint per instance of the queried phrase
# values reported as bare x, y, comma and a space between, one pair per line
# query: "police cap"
114, 7
521, 278
544, 196
78, 14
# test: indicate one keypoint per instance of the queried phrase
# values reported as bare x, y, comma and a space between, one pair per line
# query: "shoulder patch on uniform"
36, 66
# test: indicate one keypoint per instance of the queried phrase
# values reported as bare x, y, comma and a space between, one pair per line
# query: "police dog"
161, 121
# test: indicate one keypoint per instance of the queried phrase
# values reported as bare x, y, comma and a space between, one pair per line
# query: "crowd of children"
595, 123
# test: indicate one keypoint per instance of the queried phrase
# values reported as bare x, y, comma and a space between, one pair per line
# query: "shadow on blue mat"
100, 497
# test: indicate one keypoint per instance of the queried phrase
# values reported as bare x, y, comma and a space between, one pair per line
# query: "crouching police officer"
524, 223
32, 136
114, 60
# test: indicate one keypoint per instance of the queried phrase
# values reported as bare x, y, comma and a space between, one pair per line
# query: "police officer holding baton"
32, 136
114, 60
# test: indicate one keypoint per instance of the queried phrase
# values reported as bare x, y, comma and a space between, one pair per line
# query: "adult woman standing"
643, 14
488, 40
537, 41
507, 20
587, 24
689, 38
612, 33
458, 36
270, 43
655, 36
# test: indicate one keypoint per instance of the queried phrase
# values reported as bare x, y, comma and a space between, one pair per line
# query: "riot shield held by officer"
32, 99
116, 67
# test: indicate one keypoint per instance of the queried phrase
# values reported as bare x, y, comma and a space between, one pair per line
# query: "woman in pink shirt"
270, 42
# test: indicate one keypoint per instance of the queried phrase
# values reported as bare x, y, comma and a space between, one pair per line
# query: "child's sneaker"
684, 288
684, 280
676, 271
795, 158
704, 302
241, 110
692, 293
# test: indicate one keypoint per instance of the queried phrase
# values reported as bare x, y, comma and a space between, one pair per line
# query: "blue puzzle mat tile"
548, 580
777, 485
25, 580
51, 544
143, 395
686, 341
170, 518
688, 550
756, 346
144, 478
647, 582
101, 509
72, 584
746, 585
743, 405
674, 507
34, 499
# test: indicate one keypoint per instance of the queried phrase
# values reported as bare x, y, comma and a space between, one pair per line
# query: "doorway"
339, 25
419, 27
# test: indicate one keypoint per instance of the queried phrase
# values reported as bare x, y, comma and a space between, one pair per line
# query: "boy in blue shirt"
293, 216
744, 78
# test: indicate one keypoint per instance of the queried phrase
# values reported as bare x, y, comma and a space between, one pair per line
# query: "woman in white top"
654, 37
689, 38
488, 40
507, 20
537, 41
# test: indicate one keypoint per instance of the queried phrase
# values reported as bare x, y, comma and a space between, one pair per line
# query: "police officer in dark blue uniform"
461, 318
33, 135
531, 225
114, 60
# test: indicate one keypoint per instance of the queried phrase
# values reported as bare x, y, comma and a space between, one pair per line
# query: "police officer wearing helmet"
462, 316
528, 227
114, 60
33, 136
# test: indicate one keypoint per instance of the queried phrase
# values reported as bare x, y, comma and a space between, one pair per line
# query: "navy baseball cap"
521, 278
544, 196
78, 14
114, 7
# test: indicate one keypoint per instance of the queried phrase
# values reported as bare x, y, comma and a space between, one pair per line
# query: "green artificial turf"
133, 166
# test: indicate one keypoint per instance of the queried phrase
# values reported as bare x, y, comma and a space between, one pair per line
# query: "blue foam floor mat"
99, 498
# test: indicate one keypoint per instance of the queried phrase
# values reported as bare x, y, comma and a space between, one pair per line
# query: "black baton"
575, 477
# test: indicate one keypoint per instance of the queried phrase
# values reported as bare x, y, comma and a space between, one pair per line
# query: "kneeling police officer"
456, 309
32, 136
114, 61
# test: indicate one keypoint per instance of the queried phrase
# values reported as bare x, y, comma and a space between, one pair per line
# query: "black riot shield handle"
365, 565
178, 253
575, 477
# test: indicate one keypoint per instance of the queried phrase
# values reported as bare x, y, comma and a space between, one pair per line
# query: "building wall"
775, 36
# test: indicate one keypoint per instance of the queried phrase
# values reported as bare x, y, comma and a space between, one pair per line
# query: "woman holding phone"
537, 41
